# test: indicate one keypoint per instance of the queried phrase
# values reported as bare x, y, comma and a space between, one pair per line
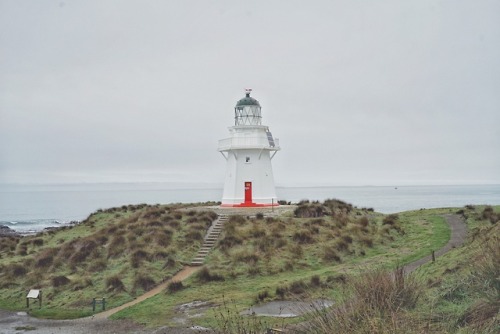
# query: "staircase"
210, 239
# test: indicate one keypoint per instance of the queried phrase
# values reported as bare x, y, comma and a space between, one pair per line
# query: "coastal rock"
6, 231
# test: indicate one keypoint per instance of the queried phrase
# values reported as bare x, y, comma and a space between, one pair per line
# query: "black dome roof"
247, 101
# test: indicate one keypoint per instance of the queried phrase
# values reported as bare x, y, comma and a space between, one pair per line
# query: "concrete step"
196, 263
210, 240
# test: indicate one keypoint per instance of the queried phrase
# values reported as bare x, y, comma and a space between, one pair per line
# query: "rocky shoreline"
6, 231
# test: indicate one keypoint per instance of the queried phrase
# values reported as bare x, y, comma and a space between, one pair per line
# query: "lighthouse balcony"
249, 142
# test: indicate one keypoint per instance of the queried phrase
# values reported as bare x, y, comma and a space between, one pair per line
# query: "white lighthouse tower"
248, 151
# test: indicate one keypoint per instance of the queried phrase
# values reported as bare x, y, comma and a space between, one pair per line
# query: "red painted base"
248, 205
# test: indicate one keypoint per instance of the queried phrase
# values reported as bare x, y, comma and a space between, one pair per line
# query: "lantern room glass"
247, 115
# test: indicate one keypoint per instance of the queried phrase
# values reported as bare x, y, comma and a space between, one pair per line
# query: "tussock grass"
115, 284
174, 286
379, 298
108, 254
144, 282
204, 276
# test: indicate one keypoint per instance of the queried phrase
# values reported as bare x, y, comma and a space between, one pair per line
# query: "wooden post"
93, 305
433, 257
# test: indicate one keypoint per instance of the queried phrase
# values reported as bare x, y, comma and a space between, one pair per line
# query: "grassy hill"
324, 250
117, 253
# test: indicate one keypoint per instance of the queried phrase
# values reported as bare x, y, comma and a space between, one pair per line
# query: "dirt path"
457, 238
180, 276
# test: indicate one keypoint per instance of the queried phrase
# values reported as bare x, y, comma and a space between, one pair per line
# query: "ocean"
31, 208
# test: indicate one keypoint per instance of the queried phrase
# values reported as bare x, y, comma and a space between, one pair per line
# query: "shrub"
44, 261
253, 271
114, 284
259, 215
194, 236
162, 239
342, 279
297, 287
229, 241
154, 223
169, 263
330, 255
37, 242
309, 210
297, 250
175, 286
367, 241
22, 250
97, 265
82, 283
391, 219
58, 281
205, 276
159, 255
315, 281
263, 295
174, 224
237, 220
347, 239
17, 270
84, 250
378, 298
281, 291
144, 282
117, 246
303, 237
137, 257
257, 232
318, 221
247, 257
363, 221
341, 245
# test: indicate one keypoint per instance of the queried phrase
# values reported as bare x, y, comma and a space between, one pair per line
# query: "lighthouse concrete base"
249, 205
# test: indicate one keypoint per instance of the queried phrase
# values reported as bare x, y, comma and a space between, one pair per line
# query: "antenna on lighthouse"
248, 91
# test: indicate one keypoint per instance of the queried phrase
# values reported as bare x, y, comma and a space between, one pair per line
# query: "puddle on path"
287, 309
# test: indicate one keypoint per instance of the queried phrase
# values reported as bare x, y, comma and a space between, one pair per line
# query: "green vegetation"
118, 253
326, 250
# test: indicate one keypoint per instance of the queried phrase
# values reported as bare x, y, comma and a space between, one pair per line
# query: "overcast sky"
358, 92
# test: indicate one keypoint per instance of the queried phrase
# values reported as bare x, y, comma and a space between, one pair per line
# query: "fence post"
433, 257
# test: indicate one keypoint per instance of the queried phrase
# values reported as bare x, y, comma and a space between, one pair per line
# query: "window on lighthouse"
247, 159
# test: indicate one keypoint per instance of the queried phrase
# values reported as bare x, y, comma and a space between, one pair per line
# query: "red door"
248, 192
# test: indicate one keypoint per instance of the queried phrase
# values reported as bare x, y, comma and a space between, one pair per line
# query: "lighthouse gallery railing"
249, 142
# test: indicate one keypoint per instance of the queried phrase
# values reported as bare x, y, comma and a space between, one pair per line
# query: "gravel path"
180, 276
457, 238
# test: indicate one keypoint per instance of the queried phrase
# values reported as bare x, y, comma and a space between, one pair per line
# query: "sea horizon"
33, 207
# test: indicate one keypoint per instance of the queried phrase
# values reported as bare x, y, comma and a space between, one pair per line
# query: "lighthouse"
248, 151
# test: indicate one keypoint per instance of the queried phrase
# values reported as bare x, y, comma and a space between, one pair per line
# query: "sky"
358, 92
